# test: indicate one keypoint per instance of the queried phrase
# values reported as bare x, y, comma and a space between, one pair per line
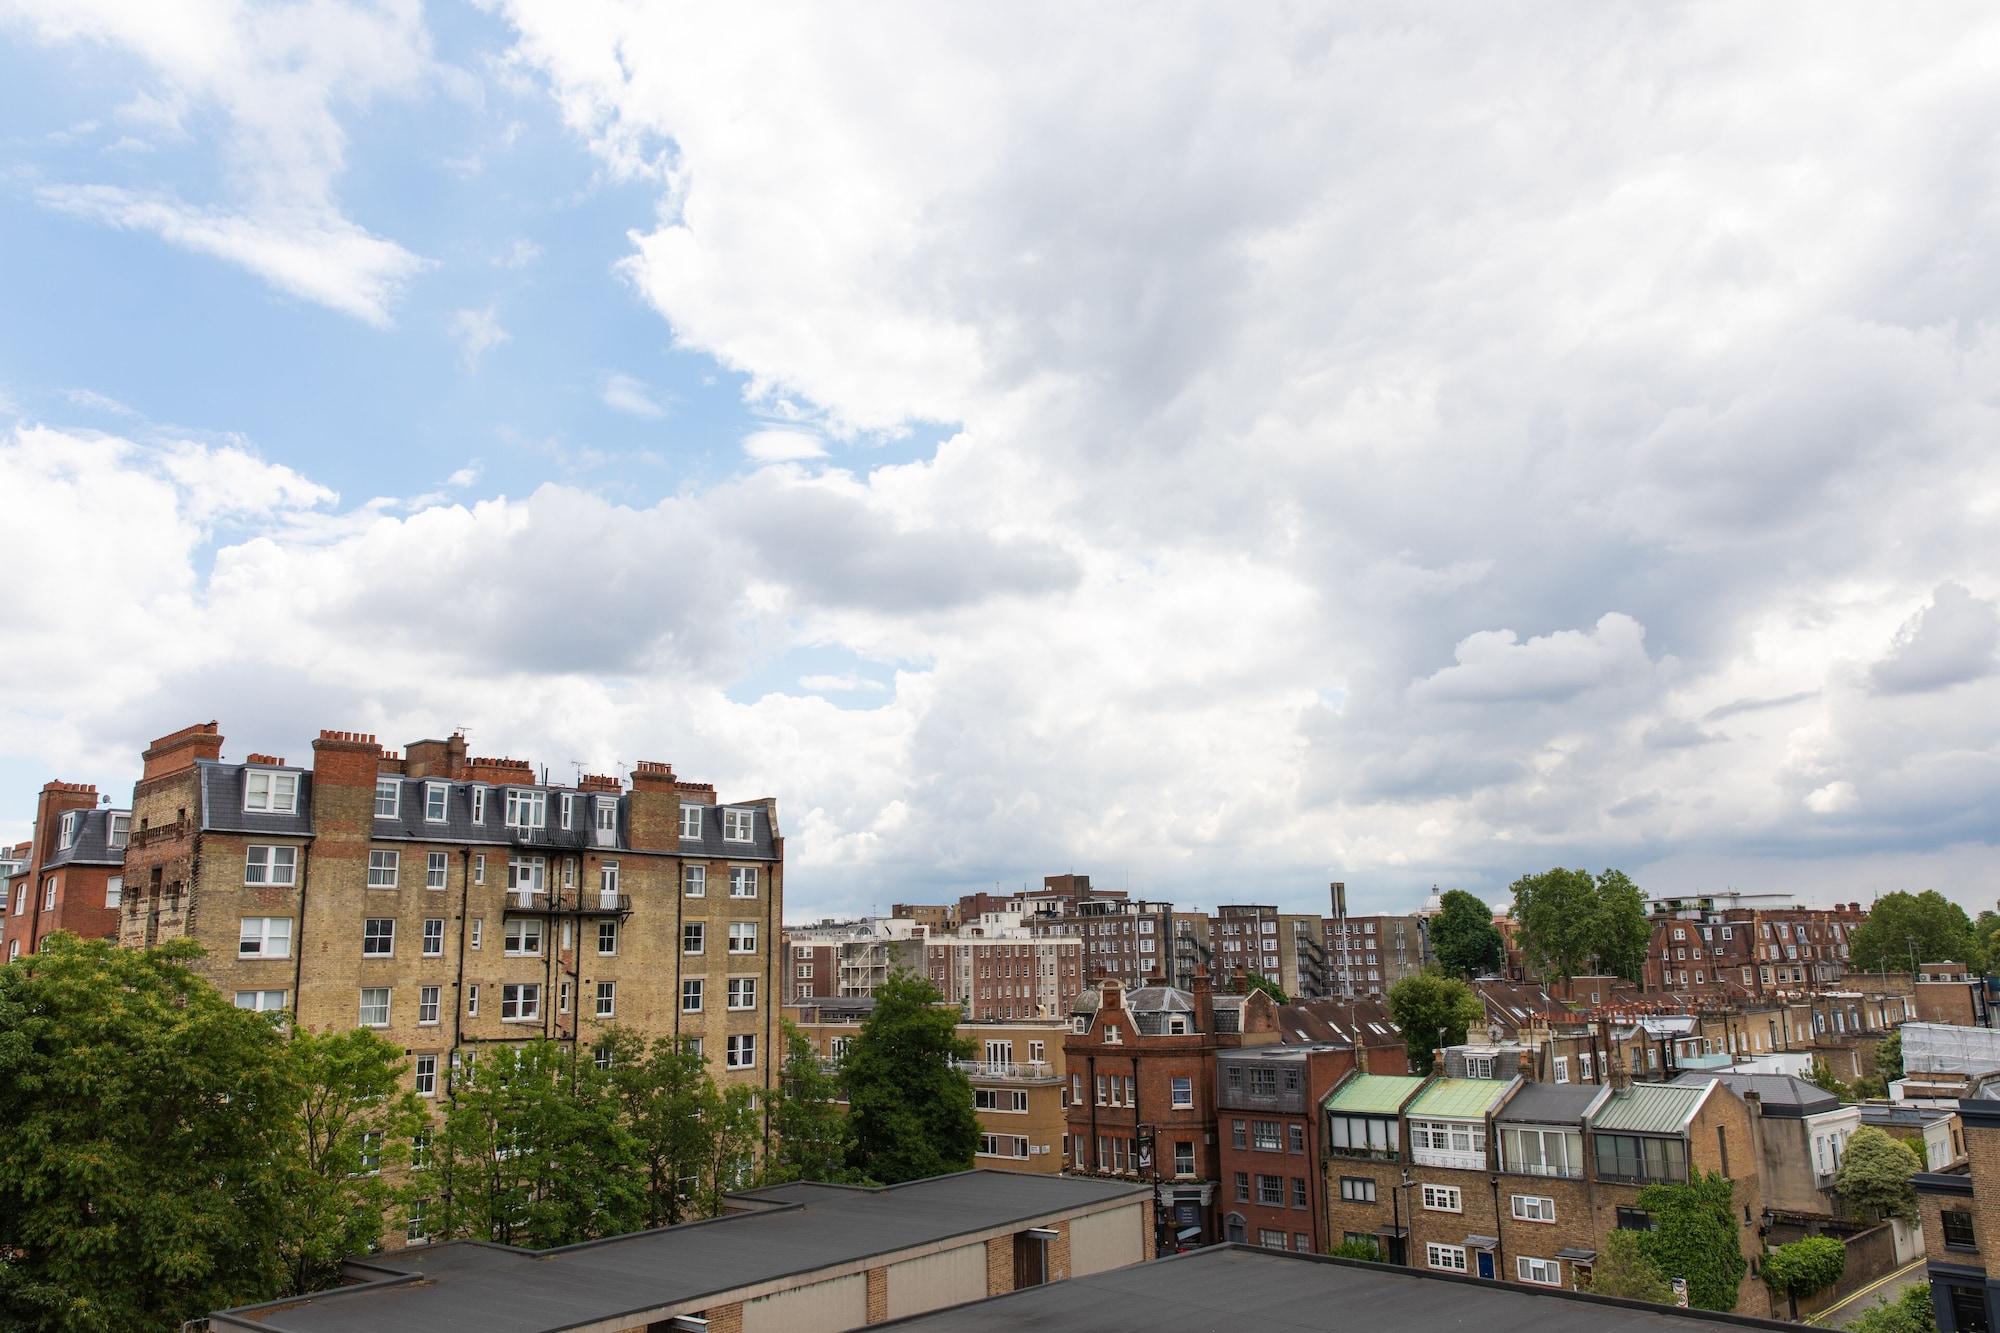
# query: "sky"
1403, 445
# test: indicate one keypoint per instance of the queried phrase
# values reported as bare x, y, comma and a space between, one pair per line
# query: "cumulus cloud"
1949, 642
476, 332
275, 77
782, 446
1495, 666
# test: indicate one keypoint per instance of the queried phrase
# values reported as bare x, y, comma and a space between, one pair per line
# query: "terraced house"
1506, 1179
450, 902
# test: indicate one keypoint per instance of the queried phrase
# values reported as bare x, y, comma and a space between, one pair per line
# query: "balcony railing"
1367, 1154
1458, 1161
1242, 1099
1026, 1069
1544, 1169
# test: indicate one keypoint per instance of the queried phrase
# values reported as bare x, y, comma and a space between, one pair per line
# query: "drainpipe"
458, 983
299, 935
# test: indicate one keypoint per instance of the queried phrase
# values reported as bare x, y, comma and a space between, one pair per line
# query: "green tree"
1804, 1267
1624, 934
354, 1127
911, 1107
813, 1137
1432, 1010
1927, 924
149, 1134
664, 1093
1820, 1075
1874, 1175
1889, 1056
1911, 1312
1571, 924
1358, 1249
534, 1152
1464, 938
732, 1148
1694, 1237
1622, 1269
1258, 981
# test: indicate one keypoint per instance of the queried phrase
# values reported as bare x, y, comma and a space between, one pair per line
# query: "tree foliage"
1432, 1010
1358, 1249
665, 1098
1889, 1056
1622, 1269
1929, 924
533, 1152
149, 1124
1573, 925
813, 1139
1911, 1312
1255, 981
911, 1108
1874, 1175
1820, 1074
1694, 1237
1464, 938
356, 1122
1804, 1267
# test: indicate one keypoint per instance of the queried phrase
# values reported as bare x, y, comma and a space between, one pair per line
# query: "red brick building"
1142, 1091
71, 875
1759, 942
1270, 1141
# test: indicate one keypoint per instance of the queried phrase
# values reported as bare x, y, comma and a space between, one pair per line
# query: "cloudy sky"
1219, 457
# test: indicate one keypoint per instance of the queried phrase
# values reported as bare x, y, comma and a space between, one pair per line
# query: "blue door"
1486, 1264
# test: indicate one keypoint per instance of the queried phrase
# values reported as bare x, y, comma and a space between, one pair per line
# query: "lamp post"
1144, 1142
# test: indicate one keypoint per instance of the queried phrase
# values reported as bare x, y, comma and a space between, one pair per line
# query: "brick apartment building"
69, 875
1010, 974
1961, 1222
448, 901
1763, 942
1521, 1181
1366, 955
1123, 938
1142, 1100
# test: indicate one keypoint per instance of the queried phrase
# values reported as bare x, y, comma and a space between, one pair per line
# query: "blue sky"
1406, 448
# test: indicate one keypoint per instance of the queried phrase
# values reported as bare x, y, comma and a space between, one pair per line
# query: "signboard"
1681, 1292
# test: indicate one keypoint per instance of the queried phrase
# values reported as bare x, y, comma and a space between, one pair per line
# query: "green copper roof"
1379, 1094
1459, 1098
1649, 1108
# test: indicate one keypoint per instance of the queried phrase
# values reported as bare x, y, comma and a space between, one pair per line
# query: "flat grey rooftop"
1226, 1288
472, 1287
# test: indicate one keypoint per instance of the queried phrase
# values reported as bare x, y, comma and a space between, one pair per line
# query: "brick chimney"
654, 822
182, 749
1204, 1002
444, 759
1110, 994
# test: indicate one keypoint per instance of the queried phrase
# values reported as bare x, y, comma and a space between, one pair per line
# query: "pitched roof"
1552, 1103
1459, 1098
1784, 1096
1650, 1108
1376, 1094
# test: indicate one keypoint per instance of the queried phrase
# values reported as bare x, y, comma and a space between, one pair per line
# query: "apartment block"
1366, 955
1762, 942
69, 875
1270, 1140
1007, 974
1960, 1205
1126, 939
448, 901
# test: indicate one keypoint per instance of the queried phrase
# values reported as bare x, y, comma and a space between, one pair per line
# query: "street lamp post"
1145, 1141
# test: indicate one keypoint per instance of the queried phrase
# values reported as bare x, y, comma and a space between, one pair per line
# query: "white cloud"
782, 446
276, 77
1495, 666
98, 402
1953, 640
466, 475
476, 332
520, 253
624, 393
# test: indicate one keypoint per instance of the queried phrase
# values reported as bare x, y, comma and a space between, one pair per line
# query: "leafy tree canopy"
667, 1102
911, 1108
1464, 938
1929, 924
1874, 1175
1358, 1249
814, 1138
1572, 924
1911, 1312
1889, 1056
1432, 1010
1694, 1237
149, 1135
1622, 1269
1804, 1267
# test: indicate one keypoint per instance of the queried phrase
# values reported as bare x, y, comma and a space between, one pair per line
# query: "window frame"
392, 789
268, 863
263, 937
378, 937
388, 1000
430, 1000
385, 868
525, 1000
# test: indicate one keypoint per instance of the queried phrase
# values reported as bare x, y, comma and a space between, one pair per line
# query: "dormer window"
690, 821
479, 805
736, 825
607, 814
569, 810
66, 832
120, 832
1177, 1026
436, 794
388, 797
269, 793
527, 809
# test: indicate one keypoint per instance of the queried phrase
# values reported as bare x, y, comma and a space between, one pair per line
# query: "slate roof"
1238, 1287
93, 842
1551, 1103
1785, 1096
474, 1287
222, 810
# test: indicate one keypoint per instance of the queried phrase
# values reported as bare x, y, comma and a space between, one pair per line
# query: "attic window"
1114, 1035
1177, 1026
270, 793
67, 838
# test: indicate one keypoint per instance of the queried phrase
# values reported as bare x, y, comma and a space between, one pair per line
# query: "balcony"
1366, 1154
1456, 1161
1026, 1071
1544, 1169
1242, 1099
